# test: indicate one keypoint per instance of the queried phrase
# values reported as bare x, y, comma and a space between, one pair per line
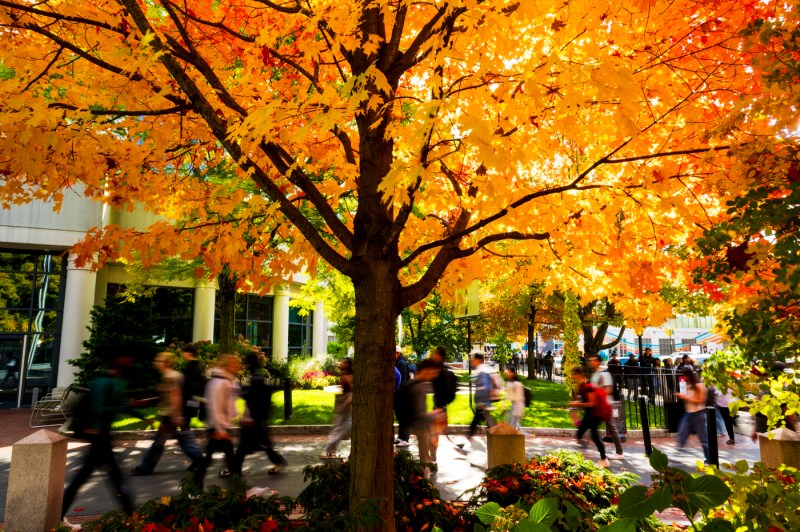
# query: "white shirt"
602, 379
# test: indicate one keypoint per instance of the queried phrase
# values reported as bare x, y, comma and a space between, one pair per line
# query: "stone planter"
504, 445
780, 446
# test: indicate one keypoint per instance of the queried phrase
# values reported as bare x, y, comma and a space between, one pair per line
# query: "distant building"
45, 300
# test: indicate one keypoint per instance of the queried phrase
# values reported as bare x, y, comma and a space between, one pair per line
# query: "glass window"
15, 290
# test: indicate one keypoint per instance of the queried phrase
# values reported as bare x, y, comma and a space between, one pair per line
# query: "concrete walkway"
457, 473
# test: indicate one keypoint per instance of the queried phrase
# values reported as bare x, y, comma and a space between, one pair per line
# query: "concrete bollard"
504, 445
36, 482
780, 446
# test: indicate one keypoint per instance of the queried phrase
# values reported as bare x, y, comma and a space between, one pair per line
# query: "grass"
315, 407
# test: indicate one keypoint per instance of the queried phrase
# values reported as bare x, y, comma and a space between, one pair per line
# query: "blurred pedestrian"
400, 406
222, 391
694, 419
483, 394
515, 393
420, 420
445, 386
172, 423
107, 400
254, 435
603, 379
343, 410
589, 401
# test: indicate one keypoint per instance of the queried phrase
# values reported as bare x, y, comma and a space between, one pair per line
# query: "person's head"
614, 354
164, 360
229, 363
253, 361
476, 359
398, 352
549, 352
657, 363
648, 352
346, 366
686, 359
594, 362
690, 376
427, 370
667, 362
511, 374
120, 363
439, 354
579, 374
189, 352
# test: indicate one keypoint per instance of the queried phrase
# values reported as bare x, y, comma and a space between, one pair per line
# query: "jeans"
693, 421
167, 430
100, 453
254, 438
224, 445
613, 430
591, 423
481, 414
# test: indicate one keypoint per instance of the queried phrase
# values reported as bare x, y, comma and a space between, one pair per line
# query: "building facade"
46, 300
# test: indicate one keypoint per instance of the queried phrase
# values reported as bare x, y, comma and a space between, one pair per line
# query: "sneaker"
224, 473
402, 443
67, 524
603, 463
616, 456
730, 442
327, 456
275, 469
397, 440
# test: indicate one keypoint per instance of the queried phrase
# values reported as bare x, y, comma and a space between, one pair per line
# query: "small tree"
572, 328
120, 327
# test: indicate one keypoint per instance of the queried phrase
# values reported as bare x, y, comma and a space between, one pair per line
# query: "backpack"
602, 407
82, 413
528, 396
450, 386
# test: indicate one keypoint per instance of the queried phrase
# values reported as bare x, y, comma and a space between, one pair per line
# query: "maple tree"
406, 144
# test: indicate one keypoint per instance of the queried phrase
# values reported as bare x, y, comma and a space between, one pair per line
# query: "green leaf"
488, 512
530, 526
661, 498
707, 492
634, 502
622, 525
477, 527
742, 466
545, 511
718, 525
658, 460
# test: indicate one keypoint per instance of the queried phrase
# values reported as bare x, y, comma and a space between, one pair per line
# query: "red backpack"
602, 408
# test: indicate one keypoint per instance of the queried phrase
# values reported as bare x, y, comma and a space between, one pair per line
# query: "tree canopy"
406, 144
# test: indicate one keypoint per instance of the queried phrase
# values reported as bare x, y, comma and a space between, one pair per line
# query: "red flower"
268, 526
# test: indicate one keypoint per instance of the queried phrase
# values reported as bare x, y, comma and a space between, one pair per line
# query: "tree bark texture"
227, 307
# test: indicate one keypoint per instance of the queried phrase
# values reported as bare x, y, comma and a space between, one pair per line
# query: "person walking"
172, 423
254, 435
603, 379
723, 402
483, 394
107, 400
221, 393
516, 394
417, 391
445, 386
548, 361
194, 383
694, 419
400, 406
343, 409
591, 415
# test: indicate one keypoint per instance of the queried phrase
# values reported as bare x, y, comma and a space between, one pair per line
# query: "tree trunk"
531, 340
227, 307
372, 456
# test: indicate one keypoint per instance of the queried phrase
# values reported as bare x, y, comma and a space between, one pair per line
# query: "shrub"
581, 488
417, 503
313, 373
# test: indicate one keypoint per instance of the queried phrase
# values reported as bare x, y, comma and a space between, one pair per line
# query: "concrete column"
319, 345
203, 321
78, 301
280, 324
36, 482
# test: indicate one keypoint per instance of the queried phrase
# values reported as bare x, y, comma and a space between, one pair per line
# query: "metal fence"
659, 385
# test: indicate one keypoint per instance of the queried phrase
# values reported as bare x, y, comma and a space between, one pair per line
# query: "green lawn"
315, 407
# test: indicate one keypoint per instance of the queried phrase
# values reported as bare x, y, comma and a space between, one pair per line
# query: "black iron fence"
659, 386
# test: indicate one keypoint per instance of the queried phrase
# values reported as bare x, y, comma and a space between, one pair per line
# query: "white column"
203, 320
78, 301
280, 324
319, 345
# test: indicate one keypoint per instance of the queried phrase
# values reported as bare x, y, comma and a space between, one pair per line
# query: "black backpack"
82, 413
528, 396
450, 386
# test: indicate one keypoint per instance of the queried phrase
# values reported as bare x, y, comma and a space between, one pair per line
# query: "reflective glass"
15, 290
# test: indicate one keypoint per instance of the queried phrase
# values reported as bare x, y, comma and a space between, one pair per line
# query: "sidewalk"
456, 472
